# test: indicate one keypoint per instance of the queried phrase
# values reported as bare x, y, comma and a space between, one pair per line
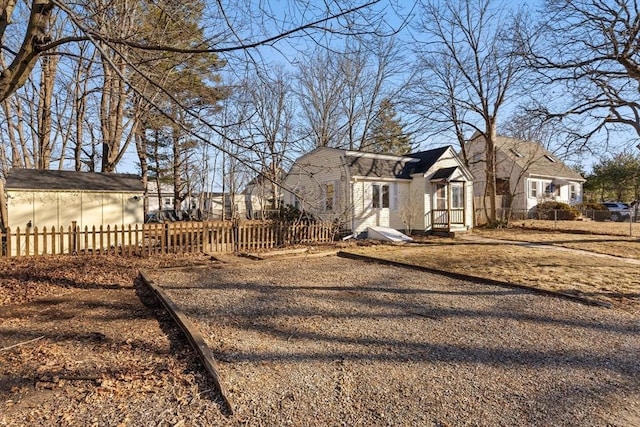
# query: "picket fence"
150, 239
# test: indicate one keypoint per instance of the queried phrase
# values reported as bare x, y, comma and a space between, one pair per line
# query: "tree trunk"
47, 81
111, 115
491, 170
16, 74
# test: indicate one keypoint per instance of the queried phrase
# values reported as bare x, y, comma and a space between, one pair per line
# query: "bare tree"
121, 38
587, 53
271, 130
466, 72
320, 89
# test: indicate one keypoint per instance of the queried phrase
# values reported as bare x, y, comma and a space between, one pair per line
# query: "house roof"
444, 173
384, 165
426, 159
535, 159
37, 179
375, 166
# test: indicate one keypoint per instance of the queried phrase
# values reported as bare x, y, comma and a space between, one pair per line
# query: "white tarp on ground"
387, 234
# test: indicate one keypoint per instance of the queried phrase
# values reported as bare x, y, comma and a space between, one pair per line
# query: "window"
457, 195
503, 186
329, 195
573, 192
552, 188
441, 196
380, 196
385, 196
533, 189
168, 201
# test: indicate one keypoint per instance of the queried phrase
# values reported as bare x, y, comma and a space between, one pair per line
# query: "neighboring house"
226, 206
425, 191
166, 199
265, 194
46, 198
526, 174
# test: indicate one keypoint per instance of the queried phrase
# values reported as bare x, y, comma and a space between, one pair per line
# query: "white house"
46, 198
165, 199
227, 206
264, 193
426, 191
526, 173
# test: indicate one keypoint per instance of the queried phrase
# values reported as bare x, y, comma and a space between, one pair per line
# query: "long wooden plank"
194, 337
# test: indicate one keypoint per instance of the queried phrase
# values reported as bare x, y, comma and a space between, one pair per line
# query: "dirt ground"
304, 341
78, 346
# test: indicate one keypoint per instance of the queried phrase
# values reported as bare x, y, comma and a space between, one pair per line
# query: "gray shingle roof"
375, 167
444, 173
427, 159
535, 159
398, 167
36, 179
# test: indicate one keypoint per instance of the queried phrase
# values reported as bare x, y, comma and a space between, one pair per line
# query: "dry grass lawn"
619, 246
548, 267
585, 227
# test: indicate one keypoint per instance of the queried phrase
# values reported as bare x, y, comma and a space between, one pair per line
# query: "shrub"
595, 211
591, 206
290, 213
556, 210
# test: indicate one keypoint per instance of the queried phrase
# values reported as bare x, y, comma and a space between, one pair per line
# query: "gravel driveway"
331, 341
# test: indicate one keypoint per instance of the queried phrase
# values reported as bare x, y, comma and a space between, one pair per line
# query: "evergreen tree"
615, 178
387, 134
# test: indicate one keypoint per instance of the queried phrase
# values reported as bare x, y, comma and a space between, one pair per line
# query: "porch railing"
445, 218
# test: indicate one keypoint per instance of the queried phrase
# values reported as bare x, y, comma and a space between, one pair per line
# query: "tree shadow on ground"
179, 344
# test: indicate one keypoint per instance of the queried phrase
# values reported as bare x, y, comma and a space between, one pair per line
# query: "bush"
591, 206
290, 213
595, 211
556, 210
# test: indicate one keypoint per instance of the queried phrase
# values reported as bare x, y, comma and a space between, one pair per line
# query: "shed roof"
57, 180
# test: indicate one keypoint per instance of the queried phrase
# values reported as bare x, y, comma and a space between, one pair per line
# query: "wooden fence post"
74, 238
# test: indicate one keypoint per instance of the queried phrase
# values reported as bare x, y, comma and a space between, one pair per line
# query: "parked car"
619, 211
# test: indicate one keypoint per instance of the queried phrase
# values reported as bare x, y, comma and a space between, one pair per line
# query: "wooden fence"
149, 239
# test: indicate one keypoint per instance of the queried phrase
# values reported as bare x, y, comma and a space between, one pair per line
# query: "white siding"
60, 209
307, 179
449, 159
365, 215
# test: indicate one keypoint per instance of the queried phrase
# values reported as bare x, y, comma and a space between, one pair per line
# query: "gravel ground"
330, 341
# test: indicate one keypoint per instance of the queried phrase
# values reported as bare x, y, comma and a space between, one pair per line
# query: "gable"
425, 160
532, 157
56, 180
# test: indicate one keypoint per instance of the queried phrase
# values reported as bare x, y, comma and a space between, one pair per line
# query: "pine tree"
387, 134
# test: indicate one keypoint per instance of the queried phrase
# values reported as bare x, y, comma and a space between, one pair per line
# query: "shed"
46, 198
